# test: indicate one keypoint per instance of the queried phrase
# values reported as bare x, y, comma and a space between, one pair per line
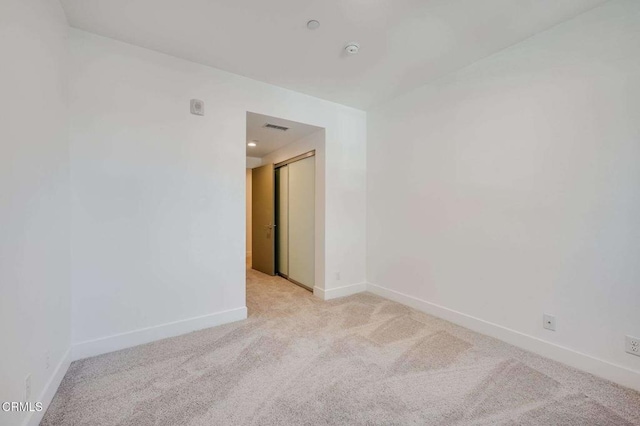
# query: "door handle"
270, 226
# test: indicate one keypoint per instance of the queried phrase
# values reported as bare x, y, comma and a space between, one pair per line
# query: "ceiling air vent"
276, 127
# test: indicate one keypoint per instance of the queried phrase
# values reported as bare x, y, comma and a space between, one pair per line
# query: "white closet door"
302, 221
282, 181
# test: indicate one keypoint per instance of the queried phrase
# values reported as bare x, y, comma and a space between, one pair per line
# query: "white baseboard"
34, 418
146, 335
334, 293
597, 367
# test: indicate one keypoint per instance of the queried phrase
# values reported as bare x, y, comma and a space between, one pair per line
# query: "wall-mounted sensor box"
197, 107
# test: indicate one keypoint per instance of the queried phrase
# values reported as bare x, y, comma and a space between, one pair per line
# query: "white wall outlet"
337, 276
27, 388
549, 322
197, 107
47, 360
632, 345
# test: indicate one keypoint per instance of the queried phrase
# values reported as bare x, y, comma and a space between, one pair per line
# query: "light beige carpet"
360, 360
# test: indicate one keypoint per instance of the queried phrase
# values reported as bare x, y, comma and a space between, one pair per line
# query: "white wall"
512, 188
158, 201
34, 205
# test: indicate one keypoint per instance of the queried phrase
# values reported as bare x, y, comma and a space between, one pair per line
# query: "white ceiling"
404, 43
270, 140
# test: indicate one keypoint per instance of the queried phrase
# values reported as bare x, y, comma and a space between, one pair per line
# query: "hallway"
357, 360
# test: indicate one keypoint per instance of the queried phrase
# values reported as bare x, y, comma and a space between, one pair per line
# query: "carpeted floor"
360, 360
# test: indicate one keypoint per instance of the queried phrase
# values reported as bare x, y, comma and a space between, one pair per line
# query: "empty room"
338, 212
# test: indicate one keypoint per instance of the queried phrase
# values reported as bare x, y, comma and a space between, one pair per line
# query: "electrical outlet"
337, 276
549, 322
27, 388
47, 360
632, 345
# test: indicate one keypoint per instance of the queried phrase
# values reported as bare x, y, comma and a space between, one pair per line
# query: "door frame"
291, 151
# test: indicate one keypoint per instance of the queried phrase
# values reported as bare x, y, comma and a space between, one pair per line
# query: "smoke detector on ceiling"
352, 48
313, 24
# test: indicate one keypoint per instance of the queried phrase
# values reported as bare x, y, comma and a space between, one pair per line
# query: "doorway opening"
285, 199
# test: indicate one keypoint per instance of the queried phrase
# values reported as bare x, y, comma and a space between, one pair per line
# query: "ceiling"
404, 43
269, 140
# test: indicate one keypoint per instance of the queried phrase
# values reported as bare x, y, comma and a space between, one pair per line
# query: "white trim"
141, 336
598, 367
318, 292
334, 293
46, 396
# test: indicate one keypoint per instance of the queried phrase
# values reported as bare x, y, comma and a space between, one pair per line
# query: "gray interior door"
282, 220
263, 219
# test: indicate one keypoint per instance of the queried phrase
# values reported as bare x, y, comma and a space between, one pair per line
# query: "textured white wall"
158, 202
512, 187
34, 206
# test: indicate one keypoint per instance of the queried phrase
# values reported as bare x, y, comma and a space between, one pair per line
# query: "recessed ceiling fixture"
252, 143
313, 24
352, 48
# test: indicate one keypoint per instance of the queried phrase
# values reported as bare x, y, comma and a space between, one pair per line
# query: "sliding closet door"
302, 221
282, 219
